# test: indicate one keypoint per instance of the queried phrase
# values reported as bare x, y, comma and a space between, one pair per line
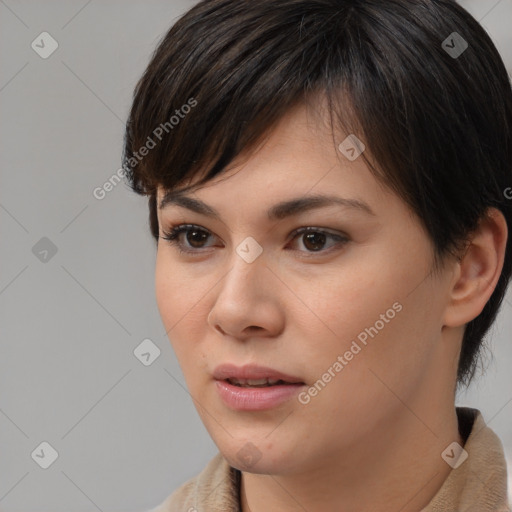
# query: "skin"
372, 438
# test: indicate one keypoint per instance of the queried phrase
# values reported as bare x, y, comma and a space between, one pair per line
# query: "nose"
247, 301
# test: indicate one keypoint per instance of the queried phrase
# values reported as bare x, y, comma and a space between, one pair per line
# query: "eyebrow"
276, 212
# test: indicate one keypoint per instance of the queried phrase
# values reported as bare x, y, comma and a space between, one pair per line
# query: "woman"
329, 190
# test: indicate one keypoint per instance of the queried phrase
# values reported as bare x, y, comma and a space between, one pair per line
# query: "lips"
253, 375
254, 388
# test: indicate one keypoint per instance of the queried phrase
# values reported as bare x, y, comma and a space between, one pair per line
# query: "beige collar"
479, 484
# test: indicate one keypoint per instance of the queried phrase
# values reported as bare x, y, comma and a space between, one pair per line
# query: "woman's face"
357, 319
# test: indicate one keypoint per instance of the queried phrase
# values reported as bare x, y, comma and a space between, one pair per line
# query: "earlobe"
477, 271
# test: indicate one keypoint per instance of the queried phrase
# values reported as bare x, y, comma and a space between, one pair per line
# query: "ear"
478, 270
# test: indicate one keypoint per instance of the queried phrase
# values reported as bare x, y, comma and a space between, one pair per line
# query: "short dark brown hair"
438, 124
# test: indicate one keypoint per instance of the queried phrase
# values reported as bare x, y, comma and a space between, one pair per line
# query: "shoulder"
215, 489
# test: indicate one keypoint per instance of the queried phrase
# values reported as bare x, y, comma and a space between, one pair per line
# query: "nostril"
219, 328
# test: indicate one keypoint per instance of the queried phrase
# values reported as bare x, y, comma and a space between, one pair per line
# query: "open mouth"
261, 383
258, 393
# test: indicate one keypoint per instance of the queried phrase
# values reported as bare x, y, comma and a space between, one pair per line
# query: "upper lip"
250, 371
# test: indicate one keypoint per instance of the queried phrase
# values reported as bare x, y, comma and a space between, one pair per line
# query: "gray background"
126, 434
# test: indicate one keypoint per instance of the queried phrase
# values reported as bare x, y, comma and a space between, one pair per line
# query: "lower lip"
256, 399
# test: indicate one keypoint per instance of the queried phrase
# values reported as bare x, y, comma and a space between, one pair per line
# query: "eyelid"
307, 227
173, 233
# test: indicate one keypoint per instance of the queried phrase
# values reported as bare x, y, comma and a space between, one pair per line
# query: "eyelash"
172, 236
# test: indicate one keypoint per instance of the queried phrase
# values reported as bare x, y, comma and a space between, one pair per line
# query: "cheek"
368, 316
338, 305
180, 290
166, 289
379, 361
178, 299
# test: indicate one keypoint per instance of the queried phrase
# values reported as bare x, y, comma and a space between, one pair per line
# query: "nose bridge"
248, 266
243, 285
235, 300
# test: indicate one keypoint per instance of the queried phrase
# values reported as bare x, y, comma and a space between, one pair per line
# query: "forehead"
300, 155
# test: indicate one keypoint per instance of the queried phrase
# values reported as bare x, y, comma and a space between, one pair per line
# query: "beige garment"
479, 484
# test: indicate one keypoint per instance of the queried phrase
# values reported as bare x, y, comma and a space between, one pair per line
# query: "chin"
259, 456
263, 466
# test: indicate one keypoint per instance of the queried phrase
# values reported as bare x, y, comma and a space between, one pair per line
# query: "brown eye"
314, 239
195, 237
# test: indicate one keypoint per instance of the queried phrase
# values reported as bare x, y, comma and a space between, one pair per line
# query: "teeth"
245, 383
